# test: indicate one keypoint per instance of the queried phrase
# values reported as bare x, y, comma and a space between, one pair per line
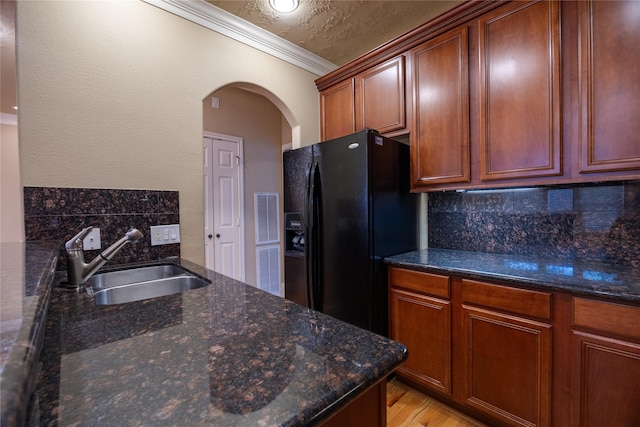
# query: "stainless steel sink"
138, 284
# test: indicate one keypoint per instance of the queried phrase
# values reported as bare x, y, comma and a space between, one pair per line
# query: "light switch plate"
92, 241
165, 234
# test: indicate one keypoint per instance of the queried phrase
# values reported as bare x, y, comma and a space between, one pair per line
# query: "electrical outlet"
92, 241
165, 234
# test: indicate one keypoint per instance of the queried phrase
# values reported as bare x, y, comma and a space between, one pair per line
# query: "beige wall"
11, 229
111, 97
259, 122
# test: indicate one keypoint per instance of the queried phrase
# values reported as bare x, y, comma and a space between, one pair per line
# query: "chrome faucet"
78, 271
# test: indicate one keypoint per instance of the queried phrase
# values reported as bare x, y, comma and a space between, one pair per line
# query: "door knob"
210, 236
217, 236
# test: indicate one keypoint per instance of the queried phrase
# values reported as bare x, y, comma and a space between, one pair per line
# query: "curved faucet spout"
78, 272
132, 236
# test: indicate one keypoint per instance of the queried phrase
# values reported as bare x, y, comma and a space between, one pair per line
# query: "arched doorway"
253, 114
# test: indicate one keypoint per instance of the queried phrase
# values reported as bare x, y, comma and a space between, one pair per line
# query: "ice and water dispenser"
294, 232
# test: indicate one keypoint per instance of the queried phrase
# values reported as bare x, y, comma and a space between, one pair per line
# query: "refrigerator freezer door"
296, 166
295, 280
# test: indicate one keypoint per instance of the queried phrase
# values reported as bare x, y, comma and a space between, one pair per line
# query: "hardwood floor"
407, 407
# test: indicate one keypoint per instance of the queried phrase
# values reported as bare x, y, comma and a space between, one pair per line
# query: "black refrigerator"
347, 206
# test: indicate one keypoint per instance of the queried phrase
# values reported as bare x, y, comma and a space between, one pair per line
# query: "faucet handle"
76, 241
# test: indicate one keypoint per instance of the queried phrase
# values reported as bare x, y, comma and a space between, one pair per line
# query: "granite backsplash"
598, 222
53, 213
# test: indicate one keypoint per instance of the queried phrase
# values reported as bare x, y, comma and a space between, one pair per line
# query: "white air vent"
268, 268
267, 213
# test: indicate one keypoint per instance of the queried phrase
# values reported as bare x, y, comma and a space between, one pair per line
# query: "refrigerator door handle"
309, 238
313, 236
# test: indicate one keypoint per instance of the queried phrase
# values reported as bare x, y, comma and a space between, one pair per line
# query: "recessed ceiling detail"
284, 6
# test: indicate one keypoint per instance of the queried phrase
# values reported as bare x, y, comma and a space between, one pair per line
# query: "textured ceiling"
338, 30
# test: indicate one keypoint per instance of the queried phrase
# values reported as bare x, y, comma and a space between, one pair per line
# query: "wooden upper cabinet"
520, 129
440, 130
609, 85
380, 97
337, 110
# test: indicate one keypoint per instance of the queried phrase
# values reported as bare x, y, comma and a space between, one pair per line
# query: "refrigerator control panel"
293, 221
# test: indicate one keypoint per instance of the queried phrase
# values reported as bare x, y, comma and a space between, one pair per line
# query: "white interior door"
223, 222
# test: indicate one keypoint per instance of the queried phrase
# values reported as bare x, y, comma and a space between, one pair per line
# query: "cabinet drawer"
607, 317
513, 300
427, 283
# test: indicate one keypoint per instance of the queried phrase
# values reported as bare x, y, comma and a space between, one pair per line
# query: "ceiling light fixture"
284, 6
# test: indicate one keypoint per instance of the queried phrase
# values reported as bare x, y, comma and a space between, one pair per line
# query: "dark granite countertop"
227, 354
587, 278
25, 287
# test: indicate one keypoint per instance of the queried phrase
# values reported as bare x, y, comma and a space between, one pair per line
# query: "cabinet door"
520, 91
423, 325
606, 363
367, 410
380, 97
440, 130
337, 115
609, 85
507, 367
606, 381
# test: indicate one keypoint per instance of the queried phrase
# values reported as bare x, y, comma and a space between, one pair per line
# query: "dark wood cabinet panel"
440, 124
425, 283
606, 363
337, 111
507, 367
607, 317
368, 410
609, 33
380, 101
606, 381
523, 302
514, 356
503, 94
423, 325
519, 88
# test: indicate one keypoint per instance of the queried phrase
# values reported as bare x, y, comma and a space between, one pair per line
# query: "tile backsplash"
595, 221
53, 213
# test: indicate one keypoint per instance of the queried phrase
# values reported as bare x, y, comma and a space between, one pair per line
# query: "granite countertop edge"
19, 369
626, 290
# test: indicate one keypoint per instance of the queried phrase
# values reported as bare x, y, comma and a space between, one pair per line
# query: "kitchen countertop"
226, 354
587, 278
25, 286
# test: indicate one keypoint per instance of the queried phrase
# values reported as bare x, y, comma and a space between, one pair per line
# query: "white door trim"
240, 141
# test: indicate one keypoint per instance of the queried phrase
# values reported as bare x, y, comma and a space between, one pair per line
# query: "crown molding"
223, 22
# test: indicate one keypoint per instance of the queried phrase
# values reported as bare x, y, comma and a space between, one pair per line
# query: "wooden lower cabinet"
483, 348
507, 367
506, 352
368, 410
606, 364
423, 325
512, 356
